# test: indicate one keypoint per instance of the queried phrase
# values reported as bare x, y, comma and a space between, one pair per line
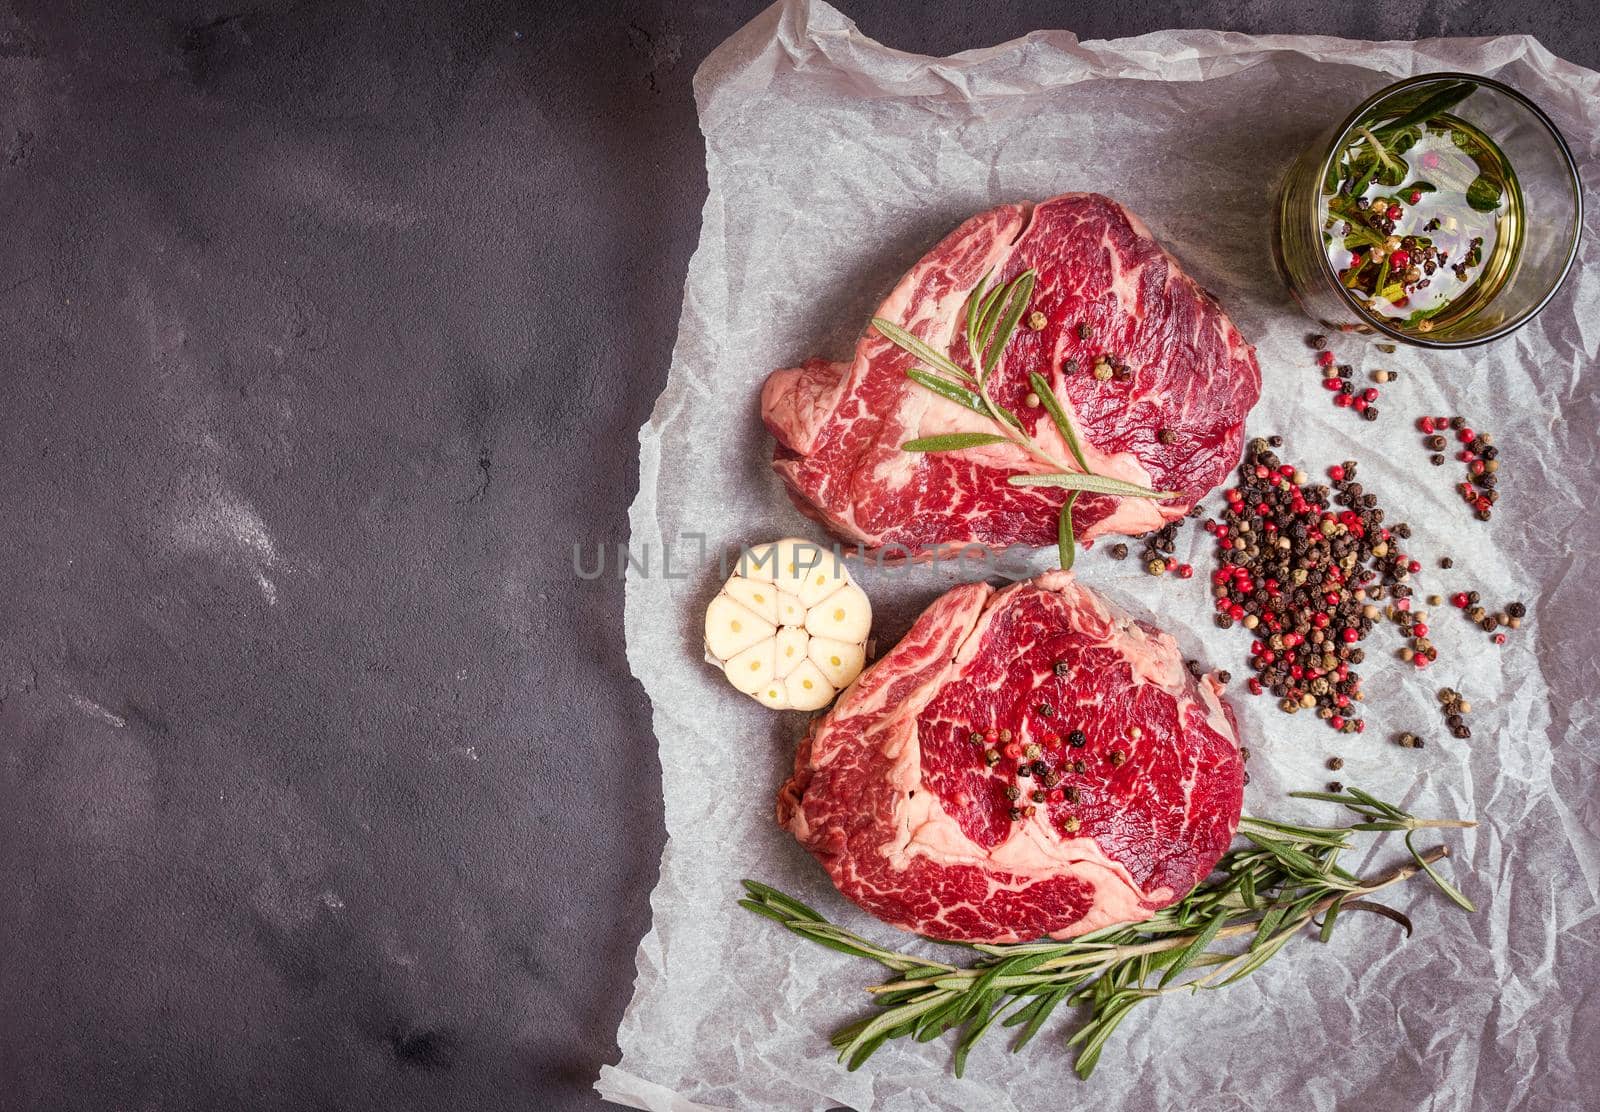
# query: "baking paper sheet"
834, 163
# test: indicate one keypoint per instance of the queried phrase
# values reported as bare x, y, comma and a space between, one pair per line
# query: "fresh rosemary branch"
992, 315
1260, 896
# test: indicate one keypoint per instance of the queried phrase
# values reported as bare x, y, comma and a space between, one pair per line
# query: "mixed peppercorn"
1305, 567
1339, 378
1477, 451
1157, 557
1033, 774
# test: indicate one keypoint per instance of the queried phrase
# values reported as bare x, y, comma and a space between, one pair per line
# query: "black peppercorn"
1076, 739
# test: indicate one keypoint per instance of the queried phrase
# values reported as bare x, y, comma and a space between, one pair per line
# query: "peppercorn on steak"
1025, 762
1147, 368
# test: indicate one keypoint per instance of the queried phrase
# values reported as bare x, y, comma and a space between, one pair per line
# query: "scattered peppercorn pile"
1477, 452
1338, 377
1304, 566
1159, 545
1510, 617
1455, 711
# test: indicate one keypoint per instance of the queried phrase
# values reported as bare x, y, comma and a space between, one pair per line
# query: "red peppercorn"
1459, 600
1342, 401
1185, 571
1420, 660
1370, 394
1466, 435
1395, 212
1415, 566
1337, 722
1399, 260
1056, 796
990, 734
1336, 473
1254, 685
1415, 196
1361, 726
1325, 359
1402, 604
1350, 635
1499, 639
1330, 384
1419, 629
1359, 403
1012, 750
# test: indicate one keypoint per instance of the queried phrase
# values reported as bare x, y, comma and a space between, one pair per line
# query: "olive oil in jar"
1422, 220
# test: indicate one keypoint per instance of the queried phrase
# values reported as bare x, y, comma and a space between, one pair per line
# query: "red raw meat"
1106, 288
897, 799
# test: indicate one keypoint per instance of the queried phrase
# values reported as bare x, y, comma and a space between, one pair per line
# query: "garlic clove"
752, 669
808, 688
840, 661
755, 596
845, 615
792, 647
731, 629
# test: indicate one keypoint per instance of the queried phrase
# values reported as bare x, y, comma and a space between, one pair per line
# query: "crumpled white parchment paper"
834, 163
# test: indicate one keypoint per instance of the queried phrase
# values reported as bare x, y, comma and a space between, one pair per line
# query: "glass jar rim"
1385, 93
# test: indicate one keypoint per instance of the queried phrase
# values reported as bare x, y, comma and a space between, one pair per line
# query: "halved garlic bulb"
790, 627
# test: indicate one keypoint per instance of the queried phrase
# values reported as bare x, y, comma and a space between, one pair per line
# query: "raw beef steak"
916, 792
1170, 416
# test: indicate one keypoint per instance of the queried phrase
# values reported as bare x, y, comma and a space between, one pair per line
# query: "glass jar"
1536, 226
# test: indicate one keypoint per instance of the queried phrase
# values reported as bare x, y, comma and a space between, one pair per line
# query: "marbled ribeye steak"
1170, 417
916, 791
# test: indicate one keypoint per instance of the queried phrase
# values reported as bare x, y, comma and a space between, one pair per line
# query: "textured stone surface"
326, 333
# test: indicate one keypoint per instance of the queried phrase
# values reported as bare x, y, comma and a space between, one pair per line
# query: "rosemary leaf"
788, 903
1441, 101
951, 391
1094, 484
1037, 1013
1066, 544
980, 1022
1019, 292
1187, 955
1327, 921
974, 310
1376, 804
906, 341
1058, 414
953, 442
988, 314
1444, 886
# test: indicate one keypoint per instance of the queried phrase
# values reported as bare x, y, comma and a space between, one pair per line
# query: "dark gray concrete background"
326, 330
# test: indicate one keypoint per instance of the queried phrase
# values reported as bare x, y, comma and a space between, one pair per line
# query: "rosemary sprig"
1261, 895
992, 316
